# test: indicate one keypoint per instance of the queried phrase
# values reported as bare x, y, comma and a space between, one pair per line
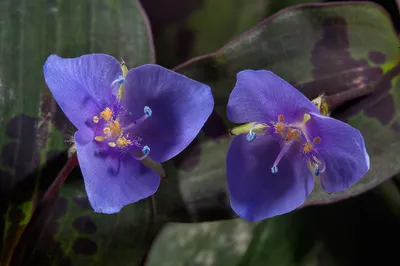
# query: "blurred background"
185, 29
189, 221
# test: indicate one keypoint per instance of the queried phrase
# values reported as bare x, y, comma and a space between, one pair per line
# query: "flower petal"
82, 85
113, 180
255, 192
343, 149
180, 107
260, 96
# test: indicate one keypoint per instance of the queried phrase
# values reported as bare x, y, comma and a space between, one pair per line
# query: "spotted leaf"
34, 132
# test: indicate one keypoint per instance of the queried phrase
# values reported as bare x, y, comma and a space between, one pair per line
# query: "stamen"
123, 142
316, 165
99, 138
106, 130
120, 80
285, 149
147, 111
292, 134
251, 136
308, 147
106, 114
115, 128
280, 127
320, 163
96, 119
274, 169
300, 125
146, 152
112, 144
316, 171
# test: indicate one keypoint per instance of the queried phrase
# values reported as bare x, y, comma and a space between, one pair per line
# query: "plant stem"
61, 177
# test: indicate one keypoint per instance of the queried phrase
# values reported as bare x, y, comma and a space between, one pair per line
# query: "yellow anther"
106, 114
95, 119
123, 142
317, 140
280, 127
307, 147
292, 134
115, 128
106, 130
99, 138
112, 144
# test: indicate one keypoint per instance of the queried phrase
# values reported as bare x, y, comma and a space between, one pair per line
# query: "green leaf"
328, 235
195, 29
283, 241
33, 128
68, 232
211, 243
336, 49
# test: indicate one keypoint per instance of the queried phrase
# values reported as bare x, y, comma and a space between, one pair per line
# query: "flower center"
287, 135
293, 133
115, 134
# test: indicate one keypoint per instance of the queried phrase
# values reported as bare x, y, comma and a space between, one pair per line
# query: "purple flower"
271, 167
122, 117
